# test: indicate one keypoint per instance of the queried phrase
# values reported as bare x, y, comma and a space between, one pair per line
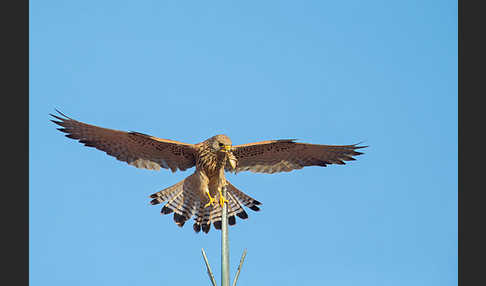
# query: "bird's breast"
212, 164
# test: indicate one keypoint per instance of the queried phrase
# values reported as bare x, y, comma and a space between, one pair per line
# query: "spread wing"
137, 149
286, 155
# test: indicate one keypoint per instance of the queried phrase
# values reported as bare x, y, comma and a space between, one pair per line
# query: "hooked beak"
226, 148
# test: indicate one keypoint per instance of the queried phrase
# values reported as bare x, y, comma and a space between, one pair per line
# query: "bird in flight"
200, 194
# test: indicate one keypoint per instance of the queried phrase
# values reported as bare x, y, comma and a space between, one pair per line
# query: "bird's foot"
222, 199
211, 200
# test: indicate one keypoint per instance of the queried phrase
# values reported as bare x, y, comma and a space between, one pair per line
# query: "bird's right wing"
137, 149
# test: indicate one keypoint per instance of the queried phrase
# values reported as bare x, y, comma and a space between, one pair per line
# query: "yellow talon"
211, 200
222, 199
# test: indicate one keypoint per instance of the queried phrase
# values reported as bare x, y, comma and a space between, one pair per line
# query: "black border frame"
15, 141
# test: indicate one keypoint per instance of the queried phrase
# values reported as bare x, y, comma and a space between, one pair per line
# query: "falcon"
200, 194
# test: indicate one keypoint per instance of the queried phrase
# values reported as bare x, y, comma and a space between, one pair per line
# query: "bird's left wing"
286, 155
137, 149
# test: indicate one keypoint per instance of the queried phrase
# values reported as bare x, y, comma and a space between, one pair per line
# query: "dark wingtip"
57, 110
196, 227
155, 202
56, 122
217, 224
231, 220
58, 118
355, 146
61, 119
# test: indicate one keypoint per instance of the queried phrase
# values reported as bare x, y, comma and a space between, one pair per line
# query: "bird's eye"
221, 144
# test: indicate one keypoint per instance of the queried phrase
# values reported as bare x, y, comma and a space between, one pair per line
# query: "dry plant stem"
210, 272
239, 267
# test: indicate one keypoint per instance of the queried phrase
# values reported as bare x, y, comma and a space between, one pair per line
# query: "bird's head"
220, 143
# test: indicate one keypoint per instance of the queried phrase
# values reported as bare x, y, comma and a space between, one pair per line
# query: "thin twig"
210, 273
239, 267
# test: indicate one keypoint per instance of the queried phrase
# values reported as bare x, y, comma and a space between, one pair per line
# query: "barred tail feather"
182, 200
236, 200
245, 199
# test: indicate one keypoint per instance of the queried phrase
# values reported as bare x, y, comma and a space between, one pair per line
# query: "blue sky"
325, 72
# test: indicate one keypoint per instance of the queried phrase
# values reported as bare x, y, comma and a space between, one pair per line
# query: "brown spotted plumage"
199, 195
